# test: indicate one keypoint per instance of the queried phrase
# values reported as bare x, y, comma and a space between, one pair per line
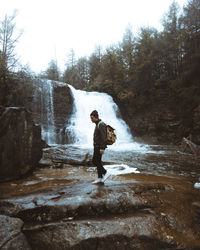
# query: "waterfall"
51, 101
47, 112
81, 128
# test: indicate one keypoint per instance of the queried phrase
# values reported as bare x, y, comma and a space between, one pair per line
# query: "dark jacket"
100, 134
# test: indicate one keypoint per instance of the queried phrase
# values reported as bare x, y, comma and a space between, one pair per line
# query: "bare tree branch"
8, 39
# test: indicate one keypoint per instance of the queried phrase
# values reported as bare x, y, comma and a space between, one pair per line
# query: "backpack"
111, 136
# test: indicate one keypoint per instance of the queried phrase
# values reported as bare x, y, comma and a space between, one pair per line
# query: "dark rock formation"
20, 143
58, 156
158, 125
11, 236
62, 106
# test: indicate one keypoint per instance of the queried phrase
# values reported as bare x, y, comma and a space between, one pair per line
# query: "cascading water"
81, 128
47, 112
78, 129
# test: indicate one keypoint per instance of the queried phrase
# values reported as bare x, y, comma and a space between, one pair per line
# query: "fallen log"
189, 146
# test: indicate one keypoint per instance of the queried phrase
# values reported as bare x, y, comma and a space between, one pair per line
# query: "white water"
120, 169
48, 129
81, 127
197, 185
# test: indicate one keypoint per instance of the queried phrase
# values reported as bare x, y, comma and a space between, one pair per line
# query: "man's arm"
103, 134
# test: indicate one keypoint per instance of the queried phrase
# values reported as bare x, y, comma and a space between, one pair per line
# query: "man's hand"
101, 151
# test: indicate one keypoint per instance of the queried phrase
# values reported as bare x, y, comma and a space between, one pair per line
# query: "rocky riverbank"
59, 208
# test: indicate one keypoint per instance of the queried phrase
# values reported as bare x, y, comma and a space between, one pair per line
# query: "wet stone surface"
11, 236
62, 209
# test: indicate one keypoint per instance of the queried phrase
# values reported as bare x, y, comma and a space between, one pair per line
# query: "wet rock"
20, 143
196, 205
85, 202
11, 236
117, 233
61, 209
57, 156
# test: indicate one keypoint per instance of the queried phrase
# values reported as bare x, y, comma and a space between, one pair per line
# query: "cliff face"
162, 125
20, 143
63, 107
51, 109
156, 124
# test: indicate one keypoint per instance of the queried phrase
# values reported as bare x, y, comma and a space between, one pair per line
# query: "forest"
153, 75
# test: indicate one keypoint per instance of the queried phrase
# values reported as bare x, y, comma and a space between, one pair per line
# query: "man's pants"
97, 162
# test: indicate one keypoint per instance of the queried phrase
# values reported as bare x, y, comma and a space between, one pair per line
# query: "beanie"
95, 114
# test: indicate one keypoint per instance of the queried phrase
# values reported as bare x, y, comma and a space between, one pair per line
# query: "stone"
20, 143
120, 233
64, 154
11, 236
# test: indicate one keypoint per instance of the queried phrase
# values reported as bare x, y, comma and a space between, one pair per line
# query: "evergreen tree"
52, 71
171, 42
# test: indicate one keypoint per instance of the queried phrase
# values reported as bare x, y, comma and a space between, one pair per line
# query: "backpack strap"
99, 123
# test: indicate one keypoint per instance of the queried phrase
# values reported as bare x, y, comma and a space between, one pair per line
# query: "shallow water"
162, 178
157, 162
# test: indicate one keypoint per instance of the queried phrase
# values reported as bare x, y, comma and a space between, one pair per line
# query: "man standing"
99, 142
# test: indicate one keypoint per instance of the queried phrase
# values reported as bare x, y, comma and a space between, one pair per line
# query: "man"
99, 142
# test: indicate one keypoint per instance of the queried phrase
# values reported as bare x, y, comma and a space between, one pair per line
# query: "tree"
8, 40
145, 58
8, 59
171, 40
127, 49
52, 71
190, 29
95, 63
83, 72
71, 59
78, 75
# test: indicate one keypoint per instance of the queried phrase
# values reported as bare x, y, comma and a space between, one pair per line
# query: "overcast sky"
53, 27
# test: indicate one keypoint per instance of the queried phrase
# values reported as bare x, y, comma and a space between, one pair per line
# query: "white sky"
53, 27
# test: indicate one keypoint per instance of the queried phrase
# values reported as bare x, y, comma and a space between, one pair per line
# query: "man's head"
94, 116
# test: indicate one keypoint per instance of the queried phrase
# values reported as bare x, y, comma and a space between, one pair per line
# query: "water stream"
157, 160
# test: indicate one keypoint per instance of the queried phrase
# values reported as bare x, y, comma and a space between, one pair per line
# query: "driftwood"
189, 146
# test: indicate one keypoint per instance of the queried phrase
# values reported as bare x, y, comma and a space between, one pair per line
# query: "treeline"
16, 87
143, 72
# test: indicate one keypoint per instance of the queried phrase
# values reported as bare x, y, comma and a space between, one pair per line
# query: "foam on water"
197, 185
120, 169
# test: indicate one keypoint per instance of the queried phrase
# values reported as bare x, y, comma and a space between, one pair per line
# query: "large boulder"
20, 143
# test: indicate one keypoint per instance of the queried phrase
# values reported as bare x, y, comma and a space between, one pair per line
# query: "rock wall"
161, 120
62, 108
20, 143
154, 126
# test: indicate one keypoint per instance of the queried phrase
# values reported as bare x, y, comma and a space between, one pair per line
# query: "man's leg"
97, 162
